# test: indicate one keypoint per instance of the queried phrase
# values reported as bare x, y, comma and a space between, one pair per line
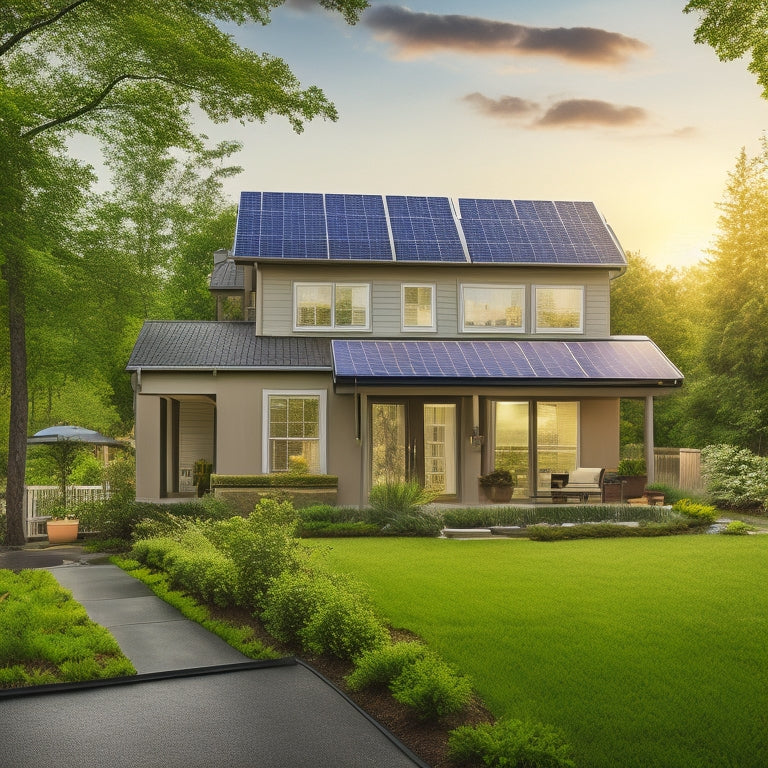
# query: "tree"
127, 70
734, 28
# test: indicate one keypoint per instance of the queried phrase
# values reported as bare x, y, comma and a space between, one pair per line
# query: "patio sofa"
582, 483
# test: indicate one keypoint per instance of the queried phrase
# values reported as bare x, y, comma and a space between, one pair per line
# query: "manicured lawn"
647, 653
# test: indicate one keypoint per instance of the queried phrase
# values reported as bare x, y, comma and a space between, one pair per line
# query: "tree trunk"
17, 432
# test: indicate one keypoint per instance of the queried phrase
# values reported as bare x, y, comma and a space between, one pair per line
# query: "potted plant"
632, 475
202, 476
498, 485
62, 528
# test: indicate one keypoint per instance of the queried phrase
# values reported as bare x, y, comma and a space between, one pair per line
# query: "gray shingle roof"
190, 344
227, 276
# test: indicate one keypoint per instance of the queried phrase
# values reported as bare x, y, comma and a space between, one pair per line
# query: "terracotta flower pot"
62, 531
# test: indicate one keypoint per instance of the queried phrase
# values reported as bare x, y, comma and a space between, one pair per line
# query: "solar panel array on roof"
424, 229
611, 361
537, 232
282, 225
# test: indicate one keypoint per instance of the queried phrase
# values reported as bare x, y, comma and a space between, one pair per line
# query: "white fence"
38, 499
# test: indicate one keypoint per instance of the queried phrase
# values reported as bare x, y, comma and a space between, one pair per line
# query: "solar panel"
424, 229
537, 232
357, 227
612, 360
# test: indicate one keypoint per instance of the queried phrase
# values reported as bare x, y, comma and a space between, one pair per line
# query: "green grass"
647, 653
47, 637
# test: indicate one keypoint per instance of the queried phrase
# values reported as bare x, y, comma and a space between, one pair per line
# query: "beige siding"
195, 439
386, 281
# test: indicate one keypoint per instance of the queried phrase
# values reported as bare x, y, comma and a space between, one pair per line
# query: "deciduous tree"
116, 70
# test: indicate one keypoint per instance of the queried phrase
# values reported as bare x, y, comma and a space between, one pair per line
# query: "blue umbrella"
68, 432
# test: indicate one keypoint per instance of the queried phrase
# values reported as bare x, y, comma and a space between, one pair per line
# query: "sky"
602, 100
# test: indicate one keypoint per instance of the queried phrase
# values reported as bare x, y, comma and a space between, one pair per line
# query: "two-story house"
384, 337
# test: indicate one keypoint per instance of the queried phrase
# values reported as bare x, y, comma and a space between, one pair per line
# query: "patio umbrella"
69, 432
65, 442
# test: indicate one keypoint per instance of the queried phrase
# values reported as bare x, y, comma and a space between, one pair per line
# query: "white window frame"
491, 329
535, 289
322, 438
432, 327
333, 286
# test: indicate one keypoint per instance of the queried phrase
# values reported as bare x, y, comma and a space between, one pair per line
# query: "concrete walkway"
197, 701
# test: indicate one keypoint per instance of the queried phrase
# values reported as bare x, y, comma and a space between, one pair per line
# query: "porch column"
649, 452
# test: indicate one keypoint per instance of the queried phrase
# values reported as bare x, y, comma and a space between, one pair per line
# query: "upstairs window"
559, 309
324, 306
493, 308
419, 307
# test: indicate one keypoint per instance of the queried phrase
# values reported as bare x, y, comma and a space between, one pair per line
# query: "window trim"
332, 327
432, 327
492, 329
322, 436
550, 286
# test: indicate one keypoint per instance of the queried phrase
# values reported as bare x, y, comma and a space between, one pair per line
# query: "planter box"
245, 499
498, 494
62, 531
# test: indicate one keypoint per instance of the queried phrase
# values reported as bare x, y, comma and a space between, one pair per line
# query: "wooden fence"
679, 467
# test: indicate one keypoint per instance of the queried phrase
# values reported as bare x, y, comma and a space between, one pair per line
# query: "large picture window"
493, 309
324, 306
419, 308
559, 309
294, 429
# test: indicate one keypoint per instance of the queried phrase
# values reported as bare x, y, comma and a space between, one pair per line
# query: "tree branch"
91, 105
20, 35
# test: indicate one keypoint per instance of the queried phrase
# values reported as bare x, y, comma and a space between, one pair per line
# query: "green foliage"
383, 665
499, 478
86, 470
45, 629
735, 477
202, 476
275, 480
313, 529
737, 528
734, 28
701, 514
631, 467
325, 614
398, 507
261, 547
607, 531
432, 688
511, 744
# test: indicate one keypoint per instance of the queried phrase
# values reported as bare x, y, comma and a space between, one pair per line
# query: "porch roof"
624, 361
207, 345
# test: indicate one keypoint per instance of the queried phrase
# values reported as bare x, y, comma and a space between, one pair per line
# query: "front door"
415, 439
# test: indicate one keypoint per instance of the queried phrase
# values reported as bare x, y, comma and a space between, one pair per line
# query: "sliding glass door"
415, 439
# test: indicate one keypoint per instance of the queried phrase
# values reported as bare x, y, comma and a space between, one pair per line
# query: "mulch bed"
427, 740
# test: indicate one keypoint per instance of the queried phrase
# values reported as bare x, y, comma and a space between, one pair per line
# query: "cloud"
505, 106
571, 113
418, 34
584, 113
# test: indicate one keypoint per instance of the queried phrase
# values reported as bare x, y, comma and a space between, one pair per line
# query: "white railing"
38, 499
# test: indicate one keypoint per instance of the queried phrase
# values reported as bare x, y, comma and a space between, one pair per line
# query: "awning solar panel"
282, 225
627, 361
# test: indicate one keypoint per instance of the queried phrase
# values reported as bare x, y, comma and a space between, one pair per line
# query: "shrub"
510, 743
735, 477
309, 529
737, 528
343, 623
499, 478
701, 514
261, 547
289, 602
382, 665
397, 507
631, 468
432, 688
328, 513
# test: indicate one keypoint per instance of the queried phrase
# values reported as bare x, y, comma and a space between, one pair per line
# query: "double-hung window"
493, 308
294, 428
559, 308
325, 306
418, 302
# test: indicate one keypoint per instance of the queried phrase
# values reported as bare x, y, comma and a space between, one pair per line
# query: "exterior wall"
147, 433
275, 312
599, 433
